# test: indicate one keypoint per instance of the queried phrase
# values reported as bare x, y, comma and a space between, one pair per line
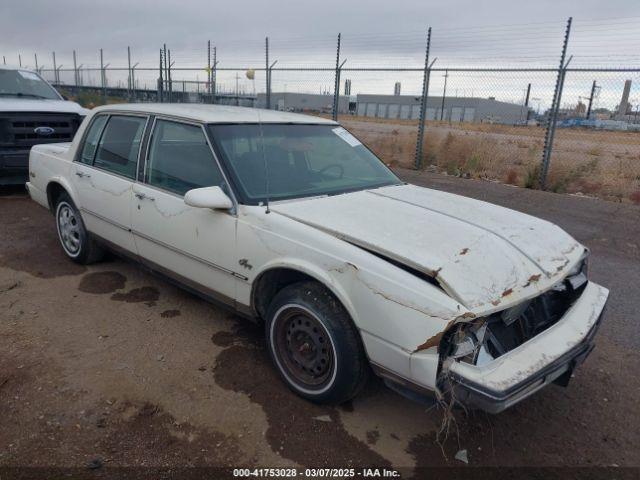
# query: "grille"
20, 128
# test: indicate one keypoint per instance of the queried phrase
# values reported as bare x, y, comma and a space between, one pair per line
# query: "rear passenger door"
104, 173
194, 245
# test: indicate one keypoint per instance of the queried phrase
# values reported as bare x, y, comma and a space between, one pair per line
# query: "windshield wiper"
20, 94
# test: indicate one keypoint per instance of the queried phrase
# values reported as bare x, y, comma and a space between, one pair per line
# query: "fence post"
103, 79
553, 111
55, 70
208, 70
129, 88
336, 85
160, 80
267, 73
214, 77
423, 103
75, 69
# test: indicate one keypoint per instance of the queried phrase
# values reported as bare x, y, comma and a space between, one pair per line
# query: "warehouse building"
456, 109
303, 102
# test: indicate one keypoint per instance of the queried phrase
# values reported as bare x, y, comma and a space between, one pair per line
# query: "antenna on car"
264, 159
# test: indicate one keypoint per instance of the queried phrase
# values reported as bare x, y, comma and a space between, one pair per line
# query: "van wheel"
74, 238
314, 344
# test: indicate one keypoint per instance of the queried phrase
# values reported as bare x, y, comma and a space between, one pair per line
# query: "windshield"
23, 83
300, 160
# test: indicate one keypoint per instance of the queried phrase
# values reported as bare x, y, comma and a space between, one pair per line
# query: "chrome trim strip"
188, 255
167, 246
105, 219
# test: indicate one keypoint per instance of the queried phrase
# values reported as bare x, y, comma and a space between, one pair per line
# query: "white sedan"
291, 221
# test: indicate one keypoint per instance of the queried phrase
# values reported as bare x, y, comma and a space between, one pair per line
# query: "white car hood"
15, 104
487, 257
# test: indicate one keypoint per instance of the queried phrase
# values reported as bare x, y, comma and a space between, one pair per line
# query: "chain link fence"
483, 102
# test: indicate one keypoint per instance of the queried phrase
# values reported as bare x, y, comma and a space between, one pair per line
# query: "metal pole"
593, 92
267, 74
75, 69
214, 77
55, 70
169, 76
423, 103
208, 68
4, 59
444, 94
526, 100
553, 112
336, 85
20, 60
129, 88
160, 80
165, 86
103, 79
35, 56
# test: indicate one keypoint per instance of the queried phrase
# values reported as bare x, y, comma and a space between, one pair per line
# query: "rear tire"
76, 242
314, 345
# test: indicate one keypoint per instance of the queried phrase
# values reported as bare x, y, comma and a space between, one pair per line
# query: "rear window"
119, 145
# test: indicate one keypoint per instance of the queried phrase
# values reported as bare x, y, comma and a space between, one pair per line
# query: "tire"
314, 345
75, 241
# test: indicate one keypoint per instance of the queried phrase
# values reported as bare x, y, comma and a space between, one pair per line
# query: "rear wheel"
314, 344
74, 238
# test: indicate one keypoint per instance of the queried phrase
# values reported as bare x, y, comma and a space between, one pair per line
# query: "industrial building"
403, 107
303, 102
456, 109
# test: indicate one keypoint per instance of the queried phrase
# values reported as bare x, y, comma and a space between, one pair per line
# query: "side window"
91, 140
119, 145
180, 159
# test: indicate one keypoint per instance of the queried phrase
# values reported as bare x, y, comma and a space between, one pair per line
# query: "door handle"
142, 196
83, 175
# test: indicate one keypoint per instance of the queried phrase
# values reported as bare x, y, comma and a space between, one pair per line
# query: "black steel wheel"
314, 344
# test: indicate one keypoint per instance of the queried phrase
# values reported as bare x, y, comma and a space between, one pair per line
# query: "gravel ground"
107, 366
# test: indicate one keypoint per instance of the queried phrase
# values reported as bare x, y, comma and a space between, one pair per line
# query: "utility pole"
214, 76
20, 60
444, 94
593, 92
160, 80
336, 85
526, 100
35, 56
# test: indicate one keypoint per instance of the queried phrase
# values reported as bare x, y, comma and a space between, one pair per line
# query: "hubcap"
304, 347
69, 228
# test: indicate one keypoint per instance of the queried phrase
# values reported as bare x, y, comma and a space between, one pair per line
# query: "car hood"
485, 256
15, 104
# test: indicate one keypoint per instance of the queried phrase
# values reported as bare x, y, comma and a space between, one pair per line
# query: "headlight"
582, 266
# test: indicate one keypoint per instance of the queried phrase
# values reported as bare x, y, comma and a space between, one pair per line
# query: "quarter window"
180, 158
91, 139
119, 145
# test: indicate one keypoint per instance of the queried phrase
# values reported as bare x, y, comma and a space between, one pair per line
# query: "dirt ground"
107, 366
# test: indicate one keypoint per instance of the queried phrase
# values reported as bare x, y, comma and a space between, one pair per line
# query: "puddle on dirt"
170, 313
150, 295
102, 282
309, 434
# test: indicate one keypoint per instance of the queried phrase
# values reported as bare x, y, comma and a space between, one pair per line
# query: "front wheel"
314, 344
74, 238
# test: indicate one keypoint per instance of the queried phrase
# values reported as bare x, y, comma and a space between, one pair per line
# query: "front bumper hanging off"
549, 357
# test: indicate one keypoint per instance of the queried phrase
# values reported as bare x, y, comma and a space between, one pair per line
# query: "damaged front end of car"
493, 362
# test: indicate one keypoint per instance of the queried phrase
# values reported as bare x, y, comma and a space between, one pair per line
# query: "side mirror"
208, 197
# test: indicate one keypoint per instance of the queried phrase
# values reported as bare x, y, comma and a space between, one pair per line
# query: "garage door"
431, 113
382, 110
456, 114
415, 112
405, 112
393, 111
469, 114
371, 109
362, 108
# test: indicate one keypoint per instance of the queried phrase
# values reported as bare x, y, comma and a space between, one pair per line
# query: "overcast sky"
301, 32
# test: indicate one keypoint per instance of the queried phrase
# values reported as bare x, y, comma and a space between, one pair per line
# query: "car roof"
215, 113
